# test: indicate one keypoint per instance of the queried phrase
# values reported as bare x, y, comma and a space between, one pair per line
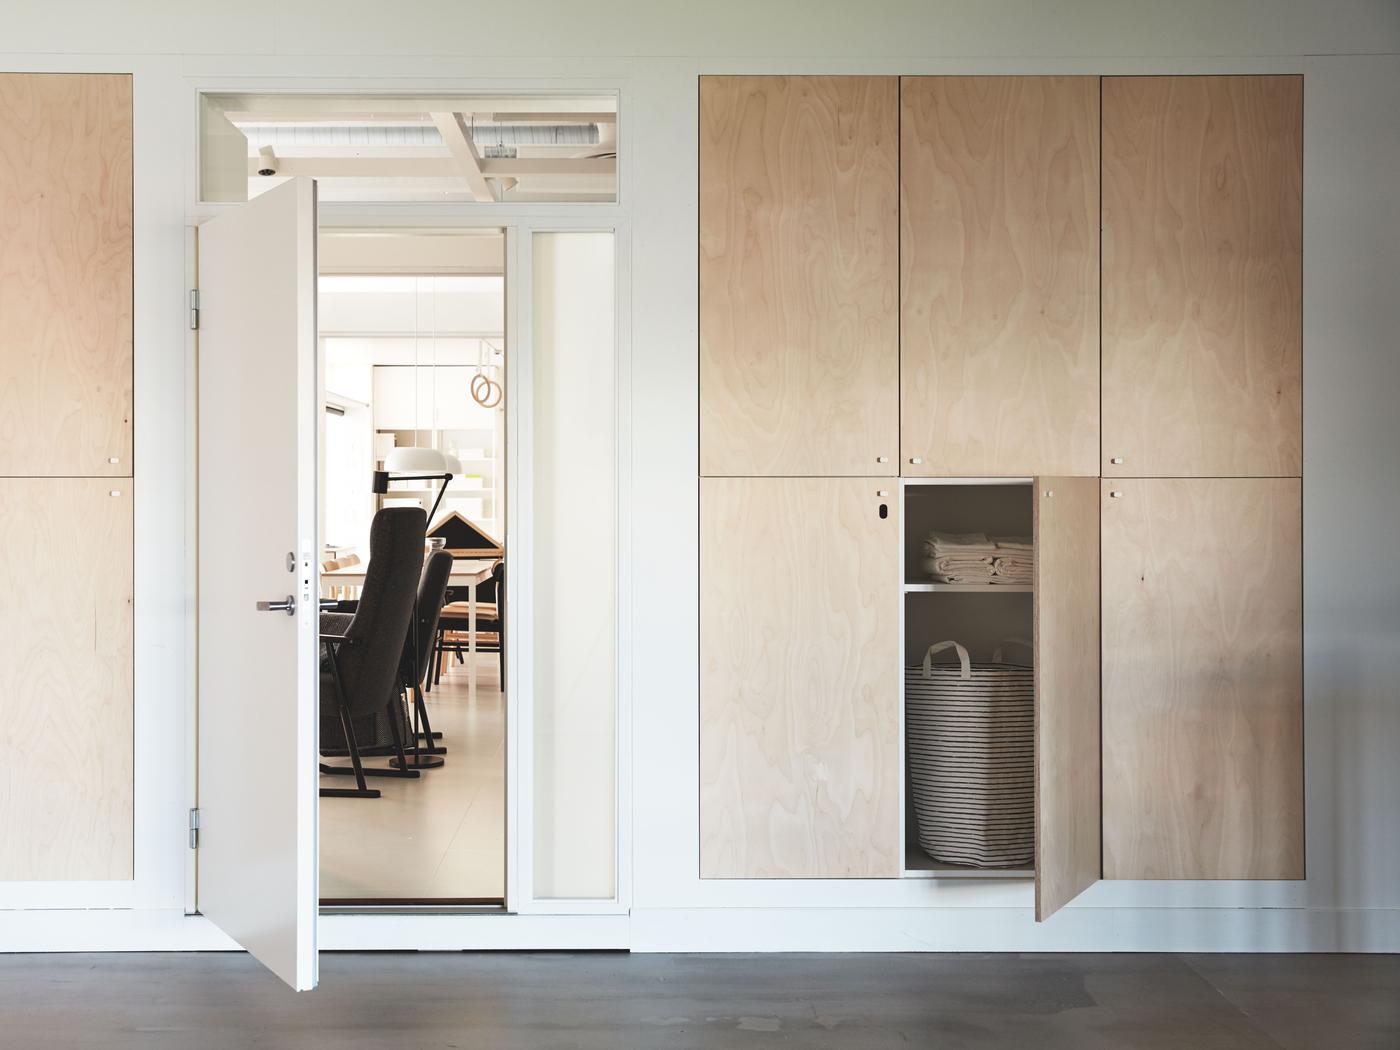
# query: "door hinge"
194, 309
194, 829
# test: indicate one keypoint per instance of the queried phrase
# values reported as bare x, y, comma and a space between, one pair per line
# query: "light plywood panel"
66, 679
1202, 276
799, 679
1202, 679
799, 231
999, 275
1068, 811
65, 274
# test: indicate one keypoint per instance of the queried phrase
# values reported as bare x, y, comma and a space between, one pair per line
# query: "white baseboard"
1374, 930
1014, 930
488, 932
109, 930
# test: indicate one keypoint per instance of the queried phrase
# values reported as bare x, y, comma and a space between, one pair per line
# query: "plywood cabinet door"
1202, 678
1202, 276
65, 275
66, 782
799, 679
1068, 809
799, 337
999, 275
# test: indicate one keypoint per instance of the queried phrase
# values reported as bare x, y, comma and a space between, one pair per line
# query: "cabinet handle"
1115, 495
1116, 459
882, 492
915, 459
882, 459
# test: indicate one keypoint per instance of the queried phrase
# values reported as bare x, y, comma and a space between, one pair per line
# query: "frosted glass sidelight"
574, 600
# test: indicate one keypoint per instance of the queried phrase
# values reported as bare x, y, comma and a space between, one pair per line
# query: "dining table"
466, 573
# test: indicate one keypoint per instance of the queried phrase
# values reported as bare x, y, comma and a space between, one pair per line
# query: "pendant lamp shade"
454, 465
414, 460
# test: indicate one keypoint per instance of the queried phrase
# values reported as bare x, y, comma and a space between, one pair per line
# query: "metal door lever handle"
287, 605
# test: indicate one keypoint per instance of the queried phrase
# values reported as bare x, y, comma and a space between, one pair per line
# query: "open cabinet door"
258, 676
1068, 802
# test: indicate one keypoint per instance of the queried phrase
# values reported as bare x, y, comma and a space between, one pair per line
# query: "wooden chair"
452, 636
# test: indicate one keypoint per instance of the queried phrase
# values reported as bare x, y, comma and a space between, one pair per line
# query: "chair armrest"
338, 639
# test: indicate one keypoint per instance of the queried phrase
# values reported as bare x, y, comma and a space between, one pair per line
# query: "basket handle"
938, 648
997, 652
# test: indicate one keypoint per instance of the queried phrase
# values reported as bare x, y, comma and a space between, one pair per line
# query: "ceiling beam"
459, 142
552, 118
297, 108
363, 167
437, 167
520, 167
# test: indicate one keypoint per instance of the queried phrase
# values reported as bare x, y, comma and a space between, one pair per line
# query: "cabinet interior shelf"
922, 587
917, 865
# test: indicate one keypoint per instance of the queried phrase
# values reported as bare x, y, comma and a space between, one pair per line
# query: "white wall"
1352, 573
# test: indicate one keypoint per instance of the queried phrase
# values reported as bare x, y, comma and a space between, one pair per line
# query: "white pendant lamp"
413, 459
454, 465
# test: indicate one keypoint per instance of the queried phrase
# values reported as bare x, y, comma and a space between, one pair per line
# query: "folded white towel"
1013, 570
1014, 543
936, 543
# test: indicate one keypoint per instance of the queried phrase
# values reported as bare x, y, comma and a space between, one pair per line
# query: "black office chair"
418, 656
432, 594
490, 620
363, 650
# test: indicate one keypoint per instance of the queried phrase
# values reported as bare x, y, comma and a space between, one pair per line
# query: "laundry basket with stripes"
970, 737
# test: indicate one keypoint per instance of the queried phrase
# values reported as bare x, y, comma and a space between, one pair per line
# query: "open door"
258, 586
1068, 789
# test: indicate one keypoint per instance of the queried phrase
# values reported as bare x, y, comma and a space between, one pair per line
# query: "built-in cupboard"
66, 480
1093, 347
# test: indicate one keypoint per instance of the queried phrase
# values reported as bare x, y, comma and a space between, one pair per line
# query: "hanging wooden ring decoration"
485, 391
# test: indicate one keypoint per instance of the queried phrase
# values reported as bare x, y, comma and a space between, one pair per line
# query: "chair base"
370, 771
349, 792
416, 761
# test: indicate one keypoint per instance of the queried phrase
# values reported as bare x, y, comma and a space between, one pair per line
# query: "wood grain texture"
799, 679
1068, 809
65, 274
66, 698
1202, 679
999, 275
1202, 276
799, 232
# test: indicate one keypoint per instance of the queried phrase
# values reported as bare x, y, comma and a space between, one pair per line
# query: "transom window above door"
487, 149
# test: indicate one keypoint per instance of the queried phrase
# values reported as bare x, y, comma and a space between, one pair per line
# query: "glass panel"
499, 149
575, 591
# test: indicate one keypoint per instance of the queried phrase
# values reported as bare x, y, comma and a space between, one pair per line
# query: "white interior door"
258, 676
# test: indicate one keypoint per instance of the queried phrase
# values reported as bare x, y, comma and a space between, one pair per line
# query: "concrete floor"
442, 835
612, 1000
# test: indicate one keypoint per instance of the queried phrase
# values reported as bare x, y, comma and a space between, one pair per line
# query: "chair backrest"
369, 664
432, 592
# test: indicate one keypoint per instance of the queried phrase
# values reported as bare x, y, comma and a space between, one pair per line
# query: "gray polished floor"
610, 1001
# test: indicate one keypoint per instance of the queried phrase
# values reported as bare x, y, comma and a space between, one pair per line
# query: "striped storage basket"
970, 738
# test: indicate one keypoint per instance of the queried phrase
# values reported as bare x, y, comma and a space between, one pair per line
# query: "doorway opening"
412, 348
433, 328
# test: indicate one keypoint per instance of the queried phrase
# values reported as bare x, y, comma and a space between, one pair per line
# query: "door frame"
383, 927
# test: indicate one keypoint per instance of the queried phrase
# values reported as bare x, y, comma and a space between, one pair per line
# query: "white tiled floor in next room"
440, 836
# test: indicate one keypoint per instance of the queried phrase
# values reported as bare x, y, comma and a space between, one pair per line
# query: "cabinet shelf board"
918, 865
922, 587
